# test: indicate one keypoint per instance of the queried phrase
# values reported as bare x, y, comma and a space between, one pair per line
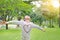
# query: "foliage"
18, 9
13, 8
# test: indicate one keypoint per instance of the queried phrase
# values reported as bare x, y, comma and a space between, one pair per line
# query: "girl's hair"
26, 17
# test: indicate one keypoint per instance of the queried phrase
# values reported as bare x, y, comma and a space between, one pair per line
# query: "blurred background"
44, 13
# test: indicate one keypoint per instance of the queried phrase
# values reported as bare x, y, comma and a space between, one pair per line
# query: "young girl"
26, 27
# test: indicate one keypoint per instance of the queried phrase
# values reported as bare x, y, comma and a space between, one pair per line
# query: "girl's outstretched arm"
14, 22
37, 26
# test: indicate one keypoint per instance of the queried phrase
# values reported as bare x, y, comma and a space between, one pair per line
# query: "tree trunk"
59, 19
51, 24
19, 18
6, 26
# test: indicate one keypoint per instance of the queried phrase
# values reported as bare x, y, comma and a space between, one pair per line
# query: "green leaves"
13, 7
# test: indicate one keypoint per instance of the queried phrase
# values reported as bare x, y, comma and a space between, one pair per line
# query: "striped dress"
26, 28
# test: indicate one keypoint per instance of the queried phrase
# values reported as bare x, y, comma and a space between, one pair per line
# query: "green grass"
15, 34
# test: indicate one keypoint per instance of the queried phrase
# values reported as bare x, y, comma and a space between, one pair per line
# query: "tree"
12, 9
59, 16
50, 13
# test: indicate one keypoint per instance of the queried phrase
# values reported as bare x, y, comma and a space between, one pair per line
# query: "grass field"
15, 34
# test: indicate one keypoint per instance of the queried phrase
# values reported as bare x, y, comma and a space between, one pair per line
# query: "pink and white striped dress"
26, 28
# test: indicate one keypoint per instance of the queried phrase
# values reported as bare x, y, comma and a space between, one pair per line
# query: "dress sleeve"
14, 22
36, 26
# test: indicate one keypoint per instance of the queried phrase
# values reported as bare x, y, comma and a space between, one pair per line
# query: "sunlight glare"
55, 3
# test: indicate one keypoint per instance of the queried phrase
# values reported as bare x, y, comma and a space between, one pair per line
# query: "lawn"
15, 34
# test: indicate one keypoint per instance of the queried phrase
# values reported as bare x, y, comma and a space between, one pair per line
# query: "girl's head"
27, 17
